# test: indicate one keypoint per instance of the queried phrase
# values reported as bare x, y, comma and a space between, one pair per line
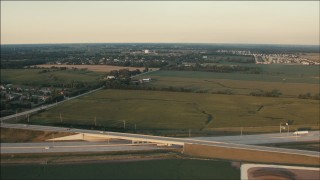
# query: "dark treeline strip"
215, 68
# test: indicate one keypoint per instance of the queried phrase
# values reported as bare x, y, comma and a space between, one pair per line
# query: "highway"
265, 138
164, 140
49, 147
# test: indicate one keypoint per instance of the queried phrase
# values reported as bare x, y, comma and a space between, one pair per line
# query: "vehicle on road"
301, 132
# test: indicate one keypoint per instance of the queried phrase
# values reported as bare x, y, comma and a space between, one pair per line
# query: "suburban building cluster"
22, 94
261, 58
12, 92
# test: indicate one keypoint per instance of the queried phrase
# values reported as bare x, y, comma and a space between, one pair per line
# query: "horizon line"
57, 43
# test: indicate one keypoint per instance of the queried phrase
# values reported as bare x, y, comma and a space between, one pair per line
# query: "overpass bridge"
160, 140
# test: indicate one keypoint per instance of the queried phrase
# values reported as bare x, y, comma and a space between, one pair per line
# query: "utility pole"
95, 121
280, 127
52, 140
60, 118
124, 124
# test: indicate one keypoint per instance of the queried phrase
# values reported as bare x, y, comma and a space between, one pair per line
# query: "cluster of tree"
273, 93
15, 105
123, 83
309, 96
149, 63
215, 68
6, 112
125, 73
54, 98
10, 64
55, 69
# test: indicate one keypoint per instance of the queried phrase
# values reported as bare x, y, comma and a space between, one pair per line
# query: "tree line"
214, 68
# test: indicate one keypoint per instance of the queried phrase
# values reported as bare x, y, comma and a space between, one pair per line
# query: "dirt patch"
96, 68
248, 155
9, 135
282, 174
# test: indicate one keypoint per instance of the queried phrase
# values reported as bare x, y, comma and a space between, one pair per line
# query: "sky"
248, 22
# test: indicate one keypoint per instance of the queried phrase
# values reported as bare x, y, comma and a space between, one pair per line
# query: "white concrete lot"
245, 167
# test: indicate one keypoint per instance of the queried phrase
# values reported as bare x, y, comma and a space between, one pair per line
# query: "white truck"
301, 132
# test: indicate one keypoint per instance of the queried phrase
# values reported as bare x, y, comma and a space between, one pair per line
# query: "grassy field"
152, 169
311, 56
244, 87
95, 68
289, 79
270, 73
9, 135
174, 111
33, 77
310, 146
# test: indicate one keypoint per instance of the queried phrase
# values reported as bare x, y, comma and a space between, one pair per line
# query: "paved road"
169, 140
46, 147
265, 138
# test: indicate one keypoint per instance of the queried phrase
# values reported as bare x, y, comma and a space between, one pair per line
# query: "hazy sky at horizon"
267, 22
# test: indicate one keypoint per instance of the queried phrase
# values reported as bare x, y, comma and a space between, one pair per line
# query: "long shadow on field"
125, 99
209, 116
222, 85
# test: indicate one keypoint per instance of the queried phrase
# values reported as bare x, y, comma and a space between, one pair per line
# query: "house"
45, 91
9, 97
145, 80
2, 87
43, 98
110, 77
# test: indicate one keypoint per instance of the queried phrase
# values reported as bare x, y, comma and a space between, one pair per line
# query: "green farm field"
269, 73
34, 77
291, 80
152, 169
173, 111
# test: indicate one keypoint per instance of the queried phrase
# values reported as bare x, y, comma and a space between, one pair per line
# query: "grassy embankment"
173, 113
152, 169
9, 135
310, 146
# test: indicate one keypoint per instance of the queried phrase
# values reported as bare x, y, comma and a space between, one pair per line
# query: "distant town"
261, 58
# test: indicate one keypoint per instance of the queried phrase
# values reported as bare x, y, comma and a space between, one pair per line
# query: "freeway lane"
166, 140
265, 138
47, 147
